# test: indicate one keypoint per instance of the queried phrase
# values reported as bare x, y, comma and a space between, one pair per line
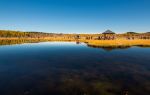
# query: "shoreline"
92, 43
118, 43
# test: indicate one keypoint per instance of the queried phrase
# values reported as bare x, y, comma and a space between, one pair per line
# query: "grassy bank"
94, 43
118, 43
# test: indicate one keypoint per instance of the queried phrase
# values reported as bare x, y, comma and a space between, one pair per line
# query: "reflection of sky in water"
68, 68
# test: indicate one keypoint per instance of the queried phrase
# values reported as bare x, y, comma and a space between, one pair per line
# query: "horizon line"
70, 33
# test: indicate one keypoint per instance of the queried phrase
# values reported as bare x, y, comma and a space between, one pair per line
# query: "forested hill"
8, 33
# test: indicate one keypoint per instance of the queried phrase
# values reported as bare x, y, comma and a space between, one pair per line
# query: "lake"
69, 68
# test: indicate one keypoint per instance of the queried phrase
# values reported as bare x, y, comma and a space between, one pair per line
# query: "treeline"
19, 34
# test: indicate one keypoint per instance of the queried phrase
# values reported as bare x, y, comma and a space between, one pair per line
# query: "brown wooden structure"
108, 35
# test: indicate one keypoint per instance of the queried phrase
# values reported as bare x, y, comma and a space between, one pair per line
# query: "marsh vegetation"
107, 39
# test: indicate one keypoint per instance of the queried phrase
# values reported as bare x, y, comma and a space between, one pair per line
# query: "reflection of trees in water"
110, 48
78, 42
19, 41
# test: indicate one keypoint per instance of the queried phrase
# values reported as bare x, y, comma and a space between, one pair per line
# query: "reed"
118, 43
95, 43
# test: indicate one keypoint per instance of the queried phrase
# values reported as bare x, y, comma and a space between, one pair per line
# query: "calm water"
67, 68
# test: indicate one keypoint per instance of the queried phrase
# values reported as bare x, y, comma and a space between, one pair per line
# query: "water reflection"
65, 68
19, 41
110, 48
118, 47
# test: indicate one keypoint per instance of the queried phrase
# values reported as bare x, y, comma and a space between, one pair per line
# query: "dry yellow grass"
96, 43
117, 43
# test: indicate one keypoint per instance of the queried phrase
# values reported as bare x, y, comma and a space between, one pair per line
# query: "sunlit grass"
97, 43
117, 43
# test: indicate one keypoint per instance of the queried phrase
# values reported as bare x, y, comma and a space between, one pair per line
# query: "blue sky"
75, 16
